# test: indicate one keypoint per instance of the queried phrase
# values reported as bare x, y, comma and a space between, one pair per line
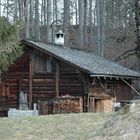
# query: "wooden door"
98, 105
91, 105
95, 105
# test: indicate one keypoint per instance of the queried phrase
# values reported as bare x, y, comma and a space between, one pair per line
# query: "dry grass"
124, 125
51, 127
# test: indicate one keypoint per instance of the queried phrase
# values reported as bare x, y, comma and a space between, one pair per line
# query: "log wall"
43, 84
64, 79
10, 86
70, 81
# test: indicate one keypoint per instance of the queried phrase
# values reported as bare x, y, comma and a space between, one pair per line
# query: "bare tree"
7, 9
85, 25
100, 5
26, 13
31, 19
137, 20
66, 21
98, 27
0, 8
55, 11
37, 27
81, 40
16, 11
49, 18
91, 24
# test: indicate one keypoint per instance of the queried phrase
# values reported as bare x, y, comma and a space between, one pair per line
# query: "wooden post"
3, 89
85, 80
30, 80
131, 87
93, 104
91, 107
87, 92
57, 80
7, 90
19, 84
81, 104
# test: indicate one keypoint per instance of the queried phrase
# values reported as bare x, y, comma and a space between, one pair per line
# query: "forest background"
108, 28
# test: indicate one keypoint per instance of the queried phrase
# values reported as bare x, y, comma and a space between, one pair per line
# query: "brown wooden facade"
44, 77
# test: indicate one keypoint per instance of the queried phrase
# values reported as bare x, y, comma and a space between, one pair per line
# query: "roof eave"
115, 76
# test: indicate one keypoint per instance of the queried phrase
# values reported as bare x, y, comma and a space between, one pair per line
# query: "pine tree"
9, 46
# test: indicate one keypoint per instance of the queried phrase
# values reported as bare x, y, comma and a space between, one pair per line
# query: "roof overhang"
114, 76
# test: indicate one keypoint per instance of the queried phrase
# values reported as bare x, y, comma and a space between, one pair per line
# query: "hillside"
125, 126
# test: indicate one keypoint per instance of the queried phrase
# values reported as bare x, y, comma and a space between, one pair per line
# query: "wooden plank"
30, 80
131, 86
57, 80
43, 80
81, 104
3, 89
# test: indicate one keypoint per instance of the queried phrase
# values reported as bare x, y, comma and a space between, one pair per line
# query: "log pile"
67, 104
63, 104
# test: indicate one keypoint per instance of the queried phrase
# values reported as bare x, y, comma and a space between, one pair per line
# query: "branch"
126, 54
54, 22
9, 9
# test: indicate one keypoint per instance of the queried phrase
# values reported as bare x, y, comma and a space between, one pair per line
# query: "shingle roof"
90, 63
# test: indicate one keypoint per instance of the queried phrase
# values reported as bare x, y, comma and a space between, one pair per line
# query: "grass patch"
52, 127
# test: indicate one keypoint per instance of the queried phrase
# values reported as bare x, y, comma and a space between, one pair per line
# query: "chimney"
59, 38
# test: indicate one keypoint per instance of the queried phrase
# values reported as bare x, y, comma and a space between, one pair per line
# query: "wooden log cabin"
47, 71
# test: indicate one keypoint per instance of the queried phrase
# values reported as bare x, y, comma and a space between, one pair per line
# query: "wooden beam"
131, 87
30, 81
57, 80
81, 104
3, 89
19, 84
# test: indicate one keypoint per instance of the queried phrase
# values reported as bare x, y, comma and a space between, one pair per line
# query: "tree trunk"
91, 25
81, 42
76, 12
37, 27
137, 20
42, 10
131, 17
66, 21
103, 11
26, 2
31, 19
49, 18
85, 25
16, 11
98, 27
19, 9
0, 8
56, 11
7, 10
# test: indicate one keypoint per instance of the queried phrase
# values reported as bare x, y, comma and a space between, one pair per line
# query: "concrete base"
22, 113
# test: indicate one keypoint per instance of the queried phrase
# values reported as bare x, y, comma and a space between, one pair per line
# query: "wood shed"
63, 79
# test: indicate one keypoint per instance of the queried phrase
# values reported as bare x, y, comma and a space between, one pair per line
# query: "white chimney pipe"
59, 38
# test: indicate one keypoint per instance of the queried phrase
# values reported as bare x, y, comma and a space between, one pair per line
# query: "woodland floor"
124, 125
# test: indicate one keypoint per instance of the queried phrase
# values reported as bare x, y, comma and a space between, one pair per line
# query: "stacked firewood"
66, 104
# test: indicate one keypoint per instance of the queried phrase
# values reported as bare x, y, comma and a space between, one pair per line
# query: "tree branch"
126, 54
8, 9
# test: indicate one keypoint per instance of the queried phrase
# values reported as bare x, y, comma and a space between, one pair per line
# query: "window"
42, 64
